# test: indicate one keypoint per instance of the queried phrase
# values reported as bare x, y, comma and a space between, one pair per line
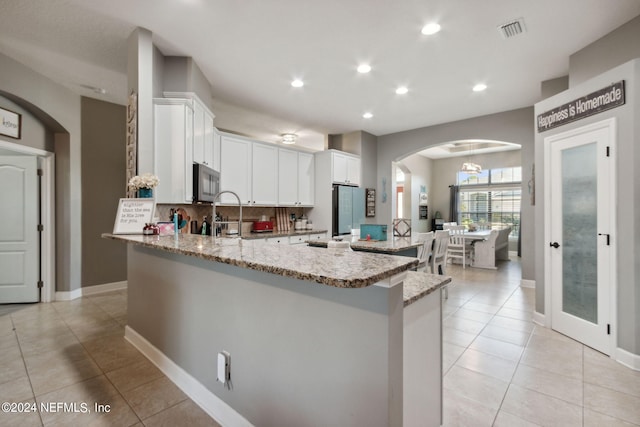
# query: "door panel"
19, 251
580, 258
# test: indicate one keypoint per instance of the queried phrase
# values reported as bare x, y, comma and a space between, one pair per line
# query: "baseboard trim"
68, 295
105, 287
539, 319
524, 283
627, 359
209, 402
90, 290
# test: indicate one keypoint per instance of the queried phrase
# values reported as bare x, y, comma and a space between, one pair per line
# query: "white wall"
420, 174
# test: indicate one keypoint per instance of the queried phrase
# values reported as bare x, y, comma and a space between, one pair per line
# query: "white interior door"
19, 252
581, 241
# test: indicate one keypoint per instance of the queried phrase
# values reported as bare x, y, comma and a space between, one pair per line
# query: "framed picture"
10, 123
370, 202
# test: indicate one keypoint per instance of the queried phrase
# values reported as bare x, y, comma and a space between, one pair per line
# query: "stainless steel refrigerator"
348, 209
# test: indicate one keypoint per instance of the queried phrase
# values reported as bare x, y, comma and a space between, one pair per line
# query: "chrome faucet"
213, 218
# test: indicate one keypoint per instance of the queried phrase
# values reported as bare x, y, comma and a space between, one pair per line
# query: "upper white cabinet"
295, 178
264, 188
173, 150
235, 169
345, 168
203, 135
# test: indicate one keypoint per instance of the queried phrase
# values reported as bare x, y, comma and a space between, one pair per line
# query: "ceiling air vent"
512, 28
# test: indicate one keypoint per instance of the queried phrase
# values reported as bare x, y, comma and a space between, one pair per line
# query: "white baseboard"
524, 283
68, 295
209, 402
90, 290
627, 359
539, 319
106, 287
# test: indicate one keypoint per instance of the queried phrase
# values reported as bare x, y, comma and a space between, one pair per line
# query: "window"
491, 198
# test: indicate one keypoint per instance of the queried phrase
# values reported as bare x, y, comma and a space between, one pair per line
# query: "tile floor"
500, 369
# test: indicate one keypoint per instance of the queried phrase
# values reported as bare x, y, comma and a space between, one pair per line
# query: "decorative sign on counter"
132, 215
604, 99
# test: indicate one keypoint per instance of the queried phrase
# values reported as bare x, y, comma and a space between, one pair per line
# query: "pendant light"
470, 167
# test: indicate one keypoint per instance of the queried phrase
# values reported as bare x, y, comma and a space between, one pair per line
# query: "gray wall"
552, 87
182, 74
103, 184
627, 236
514, 126
617, 47
59, 110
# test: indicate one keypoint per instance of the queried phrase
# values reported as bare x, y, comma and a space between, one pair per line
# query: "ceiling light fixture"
297, 83
470, 167
402, 90
367, 115
364, 68
289, 138
431, 29
479, 87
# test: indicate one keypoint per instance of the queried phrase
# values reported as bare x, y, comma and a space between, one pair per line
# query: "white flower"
146, 180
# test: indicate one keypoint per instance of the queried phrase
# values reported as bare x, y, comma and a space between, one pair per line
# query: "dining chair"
458, 248
425, 251
439, 256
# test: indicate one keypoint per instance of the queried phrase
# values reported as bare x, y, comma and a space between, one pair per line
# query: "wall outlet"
224, 367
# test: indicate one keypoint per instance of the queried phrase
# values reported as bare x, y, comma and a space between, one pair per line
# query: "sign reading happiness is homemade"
604, 99
10, 123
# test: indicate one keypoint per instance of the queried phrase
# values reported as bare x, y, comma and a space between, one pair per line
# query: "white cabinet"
295, 178
203, 135
235, 169
173, 150
264, 188
345, 168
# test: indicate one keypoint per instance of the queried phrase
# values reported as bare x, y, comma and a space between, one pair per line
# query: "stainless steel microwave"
206, 183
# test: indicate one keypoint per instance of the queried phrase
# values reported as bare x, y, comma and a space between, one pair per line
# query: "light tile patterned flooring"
74, 351
500, 369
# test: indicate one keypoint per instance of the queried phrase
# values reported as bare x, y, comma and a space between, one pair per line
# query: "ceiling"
251, 50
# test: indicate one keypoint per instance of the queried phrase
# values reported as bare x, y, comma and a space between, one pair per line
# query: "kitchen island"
314, 338
403, 246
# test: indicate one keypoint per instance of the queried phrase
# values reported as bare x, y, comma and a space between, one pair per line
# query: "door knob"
554, 245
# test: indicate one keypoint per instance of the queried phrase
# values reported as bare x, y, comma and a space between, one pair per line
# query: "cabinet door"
353, 171
287, 177
198, 133
216, 149
208, 141
339, 168
264, 187
306, 179
235, 170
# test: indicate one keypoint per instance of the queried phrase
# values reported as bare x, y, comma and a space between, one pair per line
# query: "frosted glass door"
580, 216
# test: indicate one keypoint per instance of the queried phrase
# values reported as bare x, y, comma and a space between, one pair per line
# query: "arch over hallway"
515, 126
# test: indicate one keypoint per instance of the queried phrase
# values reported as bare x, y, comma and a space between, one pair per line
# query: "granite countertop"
418, 285
395, 244
345, 269
255, 236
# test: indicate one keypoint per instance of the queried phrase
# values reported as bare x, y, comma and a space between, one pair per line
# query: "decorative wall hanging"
371, 202
132, 141
10, 123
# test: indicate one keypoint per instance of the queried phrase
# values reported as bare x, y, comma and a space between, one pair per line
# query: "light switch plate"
224, 373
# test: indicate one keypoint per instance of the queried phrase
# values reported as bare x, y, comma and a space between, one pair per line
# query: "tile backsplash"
198, 212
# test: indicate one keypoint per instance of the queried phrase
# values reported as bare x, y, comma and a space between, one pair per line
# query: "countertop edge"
418, 285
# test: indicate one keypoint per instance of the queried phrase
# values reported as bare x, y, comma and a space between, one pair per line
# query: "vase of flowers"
144, 184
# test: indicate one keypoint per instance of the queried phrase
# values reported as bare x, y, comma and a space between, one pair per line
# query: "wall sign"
596, 102
132, 215
10, 123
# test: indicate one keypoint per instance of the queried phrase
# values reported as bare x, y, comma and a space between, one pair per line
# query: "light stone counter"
346, 270
391, 246
418, 285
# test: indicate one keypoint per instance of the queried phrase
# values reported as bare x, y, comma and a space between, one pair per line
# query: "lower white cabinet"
295, 239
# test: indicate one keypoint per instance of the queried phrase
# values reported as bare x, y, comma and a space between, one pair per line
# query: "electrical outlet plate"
224, 367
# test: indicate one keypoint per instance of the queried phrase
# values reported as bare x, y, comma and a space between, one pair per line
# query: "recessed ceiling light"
479, 87
364, 68
402, 90
367, 115
430, 29
297, 83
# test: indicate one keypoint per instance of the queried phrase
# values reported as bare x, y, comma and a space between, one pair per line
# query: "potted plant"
144, 184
